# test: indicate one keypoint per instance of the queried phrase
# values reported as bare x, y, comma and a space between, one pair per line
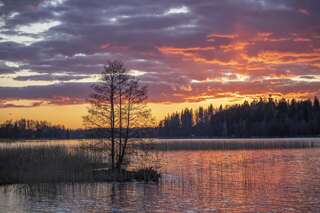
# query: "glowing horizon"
72, 114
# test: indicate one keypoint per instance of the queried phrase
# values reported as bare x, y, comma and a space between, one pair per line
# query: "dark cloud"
72, 90
5, 69
173, 41
50, 77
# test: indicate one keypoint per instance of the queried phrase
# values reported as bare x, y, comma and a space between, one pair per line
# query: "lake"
264, 180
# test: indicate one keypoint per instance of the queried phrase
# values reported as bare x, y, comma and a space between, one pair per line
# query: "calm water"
194, 181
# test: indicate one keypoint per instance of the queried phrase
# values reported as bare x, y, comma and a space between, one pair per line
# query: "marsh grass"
232, 144
46, 164
33, 164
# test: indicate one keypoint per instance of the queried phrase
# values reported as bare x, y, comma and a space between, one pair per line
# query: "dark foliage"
122, 175
30, 129
262, 118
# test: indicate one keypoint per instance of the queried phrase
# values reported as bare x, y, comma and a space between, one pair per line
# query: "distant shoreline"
175, 144
167, 138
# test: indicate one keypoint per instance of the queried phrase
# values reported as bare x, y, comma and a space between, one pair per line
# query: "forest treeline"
30, 129
260, 118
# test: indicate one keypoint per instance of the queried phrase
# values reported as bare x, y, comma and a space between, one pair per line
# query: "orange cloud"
183, 51
193, 54
235, 47
277, 57
104, 46
214, 36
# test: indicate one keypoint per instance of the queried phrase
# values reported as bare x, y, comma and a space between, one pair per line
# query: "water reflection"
194, 181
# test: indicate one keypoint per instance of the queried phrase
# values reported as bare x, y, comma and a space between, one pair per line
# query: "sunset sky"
189, 53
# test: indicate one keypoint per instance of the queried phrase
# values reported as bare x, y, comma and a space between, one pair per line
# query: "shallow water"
286, 180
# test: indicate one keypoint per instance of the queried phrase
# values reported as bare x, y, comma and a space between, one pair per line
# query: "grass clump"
142, 174
30, 164
50, 164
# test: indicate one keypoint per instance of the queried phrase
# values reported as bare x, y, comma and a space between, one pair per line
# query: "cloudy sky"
188, 52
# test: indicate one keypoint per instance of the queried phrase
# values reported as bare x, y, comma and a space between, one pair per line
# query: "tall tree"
118, 106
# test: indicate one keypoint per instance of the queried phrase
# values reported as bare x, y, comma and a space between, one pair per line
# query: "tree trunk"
120, 130
126, 136
112, 123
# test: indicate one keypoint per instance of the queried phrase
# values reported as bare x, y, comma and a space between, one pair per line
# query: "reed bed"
46, 163
233, 144
33, 164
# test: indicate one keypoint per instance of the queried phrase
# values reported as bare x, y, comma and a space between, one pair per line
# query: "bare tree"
118, 106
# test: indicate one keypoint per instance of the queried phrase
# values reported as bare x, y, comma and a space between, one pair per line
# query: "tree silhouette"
118, 107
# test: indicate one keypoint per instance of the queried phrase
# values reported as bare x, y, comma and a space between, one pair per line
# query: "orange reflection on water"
239, 181
246, 181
